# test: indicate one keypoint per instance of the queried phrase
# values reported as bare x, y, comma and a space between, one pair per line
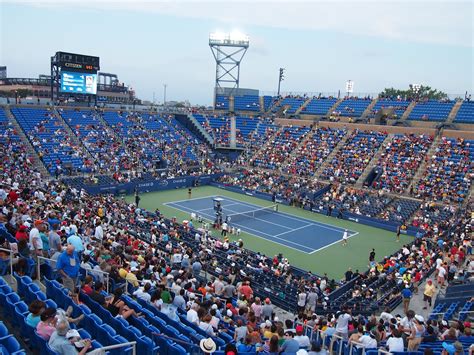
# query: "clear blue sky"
376, 44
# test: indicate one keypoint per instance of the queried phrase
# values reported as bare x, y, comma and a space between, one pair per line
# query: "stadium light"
234, 38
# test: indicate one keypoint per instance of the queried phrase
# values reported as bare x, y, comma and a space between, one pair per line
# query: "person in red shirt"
13, 196
21, 233
87, 286
246, 290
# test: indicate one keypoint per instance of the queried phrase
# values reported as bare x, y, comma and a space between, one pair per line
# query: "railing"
10, 252
335, 338
117, 346
359, 345
52, 262
382, 351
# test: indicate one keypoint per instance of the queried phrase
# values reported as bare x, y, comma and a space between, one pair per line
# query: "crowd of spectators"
449, 173
307, 158
275, 153
400, 161
353, 158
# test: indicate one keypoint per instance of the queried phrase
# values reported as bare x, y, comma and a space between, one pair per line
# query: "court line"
194, 199
297, 218
259, 219
330, 244
244, 228
292, 230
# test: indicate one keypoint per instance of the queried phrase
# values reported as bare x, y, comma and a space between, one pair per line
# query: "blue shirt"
290, 346
406, 293
68, 263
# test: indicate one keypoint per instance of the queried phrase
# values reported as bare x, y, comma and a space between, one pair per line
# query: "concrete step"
264, 146
308, 100
407, 112
334, 152
195, 123
73, 136
333, 107
374, 161
422, 168
454, 111
38, 164
369, 108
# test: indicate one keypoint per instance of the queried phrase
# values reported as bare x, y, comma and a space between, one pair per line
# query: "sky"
321, 44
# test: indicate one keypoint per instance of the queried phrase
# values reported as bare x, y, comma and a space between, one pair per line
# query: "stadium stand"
449, 173
305, 160
465, 113
400, 161
399, 106
222, 102
352, 107
292, 102
54, 145
351, 161
431, 110
195, 295
274, 155
318, 106
247, 103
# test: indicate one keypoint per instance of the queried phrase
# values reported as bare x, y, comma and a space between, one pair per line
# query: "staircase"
71, 134
334, 152
308, 136
374, 161
205, 134
29, 147
333, 107
454, 111
308, 100
421, 169
407, 112
268, 143
369, 108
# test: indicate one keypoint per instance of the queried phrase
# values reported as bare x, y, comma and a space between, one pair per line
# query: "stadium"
282, 222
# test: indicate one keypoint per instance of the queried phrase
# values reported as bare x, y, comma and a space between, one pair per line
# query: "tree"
415, 92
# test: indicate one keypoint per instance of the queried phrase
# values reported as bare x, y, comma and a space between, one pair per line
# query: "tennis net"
236, 217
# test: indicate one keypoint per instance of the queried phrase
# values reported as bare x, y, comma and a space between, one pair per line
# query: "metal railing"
133, 344
52, 262
10, 252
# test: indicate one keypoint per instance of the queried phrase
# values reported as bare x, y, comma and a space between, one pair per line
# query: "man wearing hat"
208, 346
455, 348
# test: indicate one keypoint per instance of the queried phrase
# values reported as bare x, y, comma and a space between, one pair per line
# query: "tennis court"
291, 231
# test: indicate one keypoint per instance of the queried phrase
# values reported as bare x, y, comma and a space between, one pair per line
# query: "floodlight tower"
228, 50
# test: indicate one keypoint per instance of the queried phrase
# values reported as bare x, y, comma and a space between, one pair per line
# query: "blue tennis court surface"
291, 231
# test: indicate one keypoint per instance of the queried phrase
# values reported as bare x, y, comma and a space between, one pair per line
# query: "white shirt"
35, 239
99, 232
342, 323
367, 342
141, 294
442, 272
395, 344
302, 299
345, 236
192, 316
224, 226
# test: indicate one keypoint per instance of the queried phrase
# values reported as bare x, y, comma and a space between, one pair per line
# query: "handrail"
106, 274
10, 252
334, 337
382, 351
38, 268
359, 345
121, 345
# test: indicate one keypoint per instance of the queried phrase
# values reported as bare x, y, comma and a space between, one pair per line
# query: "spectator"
68, 265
